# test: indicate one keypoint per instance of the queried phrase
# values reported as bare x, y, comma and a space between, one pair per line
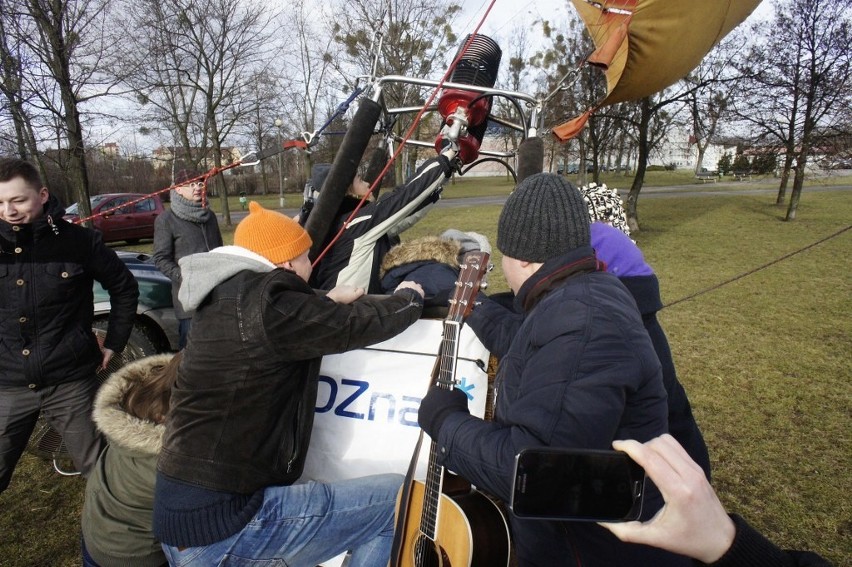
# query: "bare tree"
711, 103
652, 122
12, 65
64, 42
195, 63
803, 82
311, 77
417, 37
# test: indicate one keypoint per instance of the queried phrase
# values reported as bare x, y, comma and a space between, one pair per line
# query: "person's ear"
44, 195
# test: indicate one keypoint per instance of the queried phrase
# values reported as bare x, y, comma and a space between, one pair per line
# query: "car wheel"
139, 345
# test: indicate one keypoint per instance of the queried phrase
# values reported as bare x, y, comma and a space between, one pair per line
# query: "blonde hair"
148, 397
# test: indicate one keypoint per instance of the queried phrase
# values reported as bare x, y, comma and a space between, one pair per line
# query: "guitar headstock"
473, 269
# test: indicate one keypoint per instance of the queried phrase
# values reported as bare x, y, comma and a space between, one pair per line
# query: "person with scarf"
188, 228
579, 372
48, 352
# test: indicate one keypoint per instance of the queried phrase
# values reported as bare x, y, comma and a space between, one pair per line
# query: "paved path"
673, 191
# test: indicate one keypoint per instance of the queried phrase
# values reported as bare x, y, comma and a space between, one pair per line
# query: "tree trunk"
641, 165
785, 177
57, 53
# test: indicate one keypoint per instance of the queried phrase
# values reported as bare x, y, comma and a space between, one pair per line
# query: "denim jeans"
305, 524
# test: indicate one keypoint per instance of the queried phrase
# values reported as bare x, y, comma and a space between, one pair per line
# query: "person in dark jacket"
579, 372
239, 424
49, 354
431, 261
130, 409
188, 227
624, 259
355, 258
693, 521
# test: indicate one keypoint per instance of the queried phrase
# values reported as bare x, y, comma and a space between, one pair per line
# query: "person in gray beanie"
577, 370
543, 218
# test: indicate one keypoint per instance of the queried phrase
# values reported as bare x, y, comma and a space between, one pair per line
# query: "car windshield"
75, 208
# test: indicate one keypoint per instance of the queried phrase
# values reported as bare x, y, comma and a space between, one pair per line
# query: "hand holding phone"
577, 484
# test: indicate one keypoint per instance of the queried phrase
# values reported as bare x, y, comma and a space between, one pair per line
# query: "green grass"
464, 187
765, 360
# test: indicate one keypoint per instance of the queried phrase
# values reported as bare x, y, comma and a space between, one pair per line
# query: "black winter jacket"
243, 406
751, 549
47, 270
579, 372
355, 258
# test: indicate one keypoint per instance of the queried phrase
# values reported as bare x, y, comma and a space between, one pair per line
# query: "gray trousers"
68, 409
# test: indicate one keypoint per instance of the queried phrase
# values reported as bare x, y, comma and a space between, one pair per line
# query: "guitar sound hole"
427, 553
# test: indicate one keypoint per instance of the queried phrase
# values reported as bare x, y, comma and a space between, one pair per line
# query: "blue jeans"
305, 524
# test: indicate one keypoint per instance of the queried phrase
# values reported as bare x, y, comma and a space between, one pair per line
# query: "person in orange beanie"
242, 408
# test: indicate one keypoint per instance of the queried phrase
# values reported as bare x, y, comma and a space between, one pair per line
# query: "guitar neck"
472, 271
435, 472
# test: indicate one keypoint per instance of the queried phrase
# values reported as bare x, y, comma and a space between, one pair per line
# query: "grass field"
486, 186
765, 360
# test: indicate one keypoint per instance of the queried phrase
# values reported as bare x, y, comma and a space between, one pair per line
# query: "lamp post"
278, 124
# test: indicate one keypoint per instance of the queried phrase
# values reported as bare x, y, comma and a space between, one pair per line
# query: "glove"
437, 406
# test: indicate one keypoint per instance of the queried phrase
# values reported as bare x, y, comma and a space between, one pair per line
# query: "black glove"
437, 406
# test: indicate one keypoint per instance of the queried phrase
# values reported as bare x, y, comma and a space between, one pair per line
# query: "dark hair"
148, 397
10, 168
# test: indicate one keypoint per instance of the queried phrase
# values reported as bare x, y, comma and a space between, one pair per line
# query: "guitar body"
471, 532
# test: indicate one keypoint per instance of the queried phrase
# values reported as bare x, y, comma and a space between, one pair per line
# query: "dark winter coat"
120, 490
355, 258
580, 372
624, 259
47, 270
252, 368
175, 238
242, 409
751, 549
431, 261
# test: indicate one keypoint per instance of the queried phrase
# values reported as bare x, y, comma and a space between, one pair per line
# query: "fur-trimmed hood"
121, 428
428, 248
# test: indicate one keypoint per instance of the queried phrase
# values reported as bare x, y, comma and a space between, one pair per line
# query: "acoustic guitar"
444, 522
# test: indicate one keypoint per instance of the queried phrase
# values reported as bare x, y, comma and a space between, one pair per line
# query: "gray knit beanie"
544, 217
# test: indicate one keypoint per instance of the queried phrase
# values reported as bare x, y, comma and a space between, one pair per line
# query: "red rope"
203, 178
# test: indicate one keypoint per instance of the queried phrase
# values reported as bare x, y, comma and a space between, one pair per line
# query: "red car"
122, 216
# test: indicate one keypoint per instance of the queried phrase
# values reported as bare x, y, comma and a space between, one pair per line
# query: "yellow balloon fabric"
664, 39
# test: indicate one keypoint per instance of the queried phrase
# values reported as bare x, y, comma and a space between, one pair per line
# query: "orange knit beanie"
274, 236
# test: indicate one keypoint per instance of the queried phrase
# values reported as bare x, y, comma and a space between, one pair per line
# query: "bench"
741, 175
706, 176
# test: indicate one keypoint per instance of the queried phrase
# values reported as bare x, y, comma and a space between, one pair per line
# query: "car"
156, 327
125, 217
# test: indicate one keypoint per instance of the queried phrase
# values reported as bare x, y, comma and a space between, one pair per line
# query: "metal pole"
278, 124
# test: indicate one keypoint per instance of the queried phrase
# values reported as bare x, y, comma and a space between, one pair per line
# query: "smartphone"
577, 484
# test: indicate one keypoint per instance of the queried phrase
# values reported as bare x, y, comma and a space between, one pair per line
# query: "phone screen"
577, 484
